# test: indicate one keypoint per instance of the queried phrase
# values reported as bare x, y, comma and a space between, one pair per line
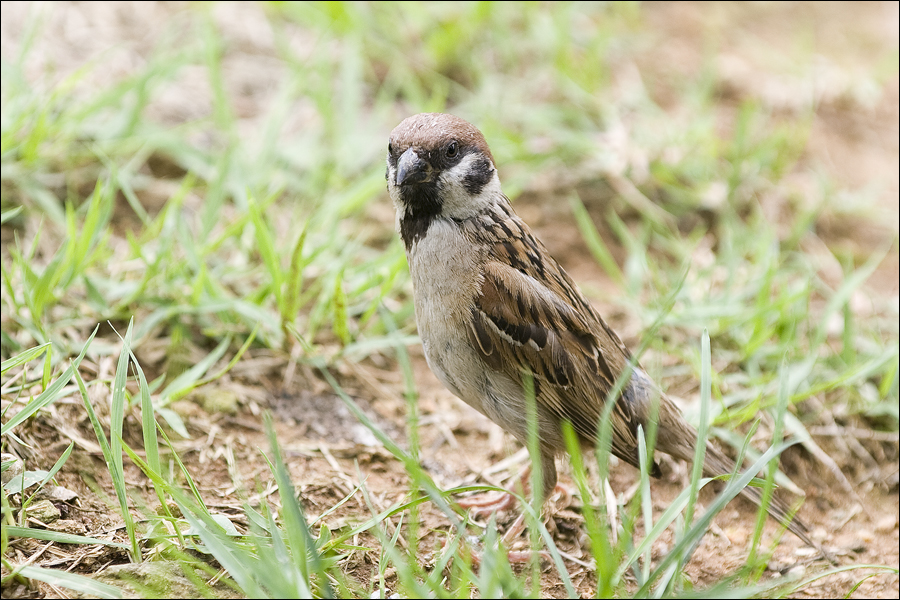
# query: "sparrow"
492, 307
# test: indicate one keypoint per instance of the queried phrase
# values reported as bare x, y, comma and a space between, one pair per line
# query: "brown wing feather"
531, 317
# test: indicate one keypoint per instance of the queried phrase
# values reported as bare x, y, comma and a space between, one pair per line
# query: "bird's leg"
518, 526
548, 475
491, 502
550, 488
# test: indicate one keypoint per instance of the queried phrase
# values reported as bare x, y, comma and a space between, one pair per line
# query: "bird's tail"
677, 438
716, 463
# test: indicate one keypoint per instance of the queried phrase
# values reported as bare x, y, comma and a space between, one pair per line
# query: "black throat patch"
423, 205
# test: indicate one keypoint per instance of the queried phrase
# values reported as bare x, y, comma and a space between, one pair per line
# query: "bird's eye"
390, 149
452, 149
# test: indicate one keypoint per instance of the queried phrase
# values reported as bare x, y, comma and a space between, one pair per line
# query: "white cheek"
458, 203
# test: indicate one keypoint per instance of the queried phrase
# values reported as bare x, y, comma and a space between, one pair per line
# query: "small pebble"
14, 469
56, 493
220, 401
886, 524
865, 535
797, 572
43, 510
67, 526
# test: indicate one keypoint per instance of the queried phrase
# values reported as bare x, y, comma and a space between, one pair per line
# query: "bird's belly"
465, 374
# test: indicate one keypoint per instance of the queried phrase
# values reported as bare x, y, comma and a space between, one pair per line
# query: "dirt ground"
327, 450
328, 453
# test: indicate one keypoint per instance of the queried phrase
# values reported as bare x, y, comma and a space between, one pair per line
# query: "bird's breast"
445, 270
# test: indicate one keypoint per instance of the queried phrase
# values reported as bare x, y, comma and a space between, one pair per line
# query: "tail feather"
716, 463
677, 438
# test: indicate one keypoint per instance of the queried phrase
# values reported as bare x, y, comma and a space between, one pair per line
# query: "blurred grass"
226, 190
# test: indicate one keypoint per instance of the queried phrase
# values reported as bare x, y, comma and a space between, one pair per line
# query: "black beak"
412, 169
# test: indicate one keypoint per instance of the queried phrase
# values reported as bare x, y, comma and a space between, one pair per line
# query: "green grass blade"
118, 405
78, 583
24, 357
60, 537
51, 394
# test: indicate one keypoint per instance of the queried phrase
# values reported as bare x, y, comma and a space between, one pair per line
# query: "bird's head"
439, 166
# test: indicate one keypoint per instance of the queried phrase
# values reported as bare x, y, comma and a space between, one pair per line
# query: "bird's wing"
530, 317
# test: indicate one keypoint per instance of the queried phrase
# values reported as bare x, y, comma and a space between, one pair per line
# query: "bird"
494, 309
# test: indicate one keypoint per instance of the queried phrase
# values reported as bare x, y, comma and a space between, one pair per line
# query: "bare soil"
329, 453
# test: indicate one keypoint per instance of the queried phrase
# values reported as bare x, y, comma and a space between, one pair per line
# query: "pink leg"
482, 505
518, 526
488, 503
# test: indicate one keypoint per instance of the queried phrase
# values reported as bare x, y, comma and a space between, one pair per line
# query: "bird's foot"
482, 505
525, 556
560, 497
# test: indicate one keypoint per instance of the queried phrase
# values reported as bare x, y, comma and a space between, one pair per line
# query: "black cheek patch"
480, 173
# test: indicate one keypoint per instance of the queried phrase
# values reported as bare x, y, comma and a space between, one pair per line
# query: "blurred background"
215, 171
229, 117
